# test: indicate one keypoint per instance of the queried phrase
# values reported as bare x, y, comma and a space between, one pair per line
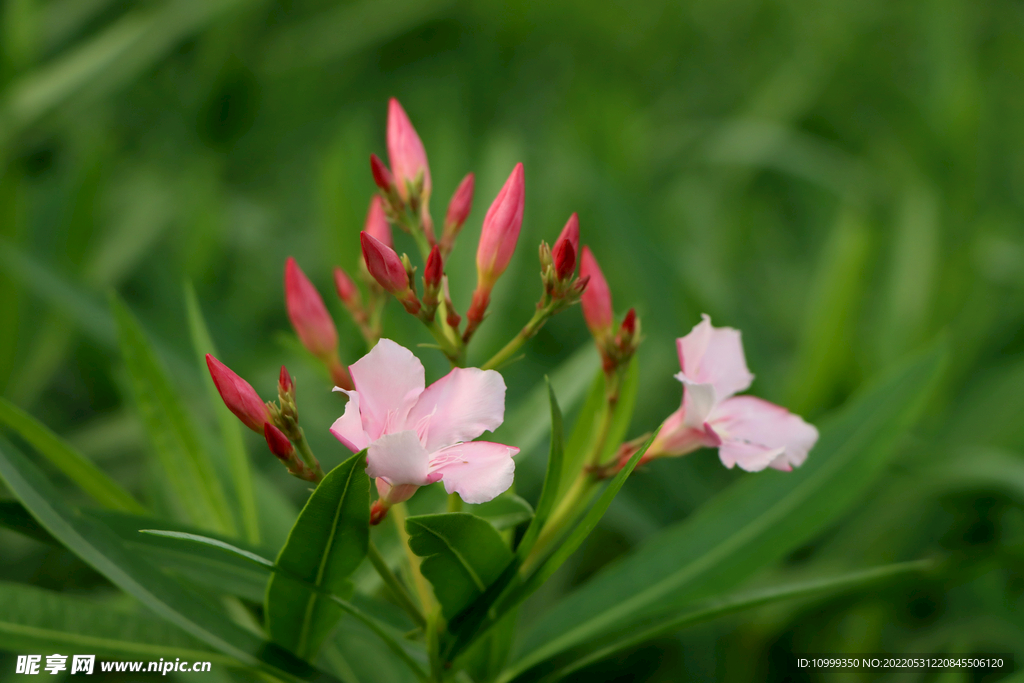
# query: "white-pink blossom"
417, 435
748, 431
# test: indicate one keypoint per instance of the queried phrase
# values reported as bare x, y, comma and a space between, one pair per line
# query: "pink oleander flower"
405, 151
417, 435
748, 431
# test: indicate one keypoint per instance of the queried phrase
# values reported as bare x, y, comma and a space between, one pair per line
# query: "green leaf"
325, 546
32, 619
187, 469
751, 524
463, 555
552, 479
230, 428
76, 466
507, 511
213, 543
562, 665
101, 549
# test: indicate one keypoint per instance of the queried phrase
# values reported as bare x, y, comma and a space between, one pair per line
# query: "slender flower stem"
423, 590
397, 588
454, 502
540, 316
452, 349
302, 446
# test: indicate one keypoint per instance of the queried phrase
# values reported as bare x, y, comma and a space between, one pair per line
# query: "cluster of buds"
558, 267
617, 346
406, 187
278, 423
313, 323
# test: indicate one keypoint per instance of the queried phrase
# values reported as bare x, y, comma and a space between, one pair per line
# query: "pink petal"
677, 438
399, 459
460, 406
714, 355
757, 434
389, 379
478, 471
698, 401
348, 428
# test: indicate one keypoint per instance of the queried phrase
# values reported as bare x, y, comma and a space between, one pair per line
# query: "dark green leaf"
100, 548
463, 555
76, 466
552, 480
185, 466
504, 512
753, 523
325, 546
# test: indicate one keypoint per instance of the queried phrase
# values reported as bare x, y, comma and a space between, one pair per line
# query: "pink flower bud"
384, 264
382, 177
501, 230
377, 222
597, 298
405, 151
278, 443
285, 385
459, 208
238, 395
308, 314
347, 290
434, 269
571, 233
565, 259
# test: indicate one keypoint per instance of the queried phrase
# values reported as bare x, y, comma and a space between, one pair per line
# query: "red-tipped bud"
378, 511
459, 208
501, 230
571, 232
597, 298
308, 314
405, 151
382, 177
285, 385
384, 264
347, 290
565, 259
278, 443
434, 269
238, 395
377, 222
629, 323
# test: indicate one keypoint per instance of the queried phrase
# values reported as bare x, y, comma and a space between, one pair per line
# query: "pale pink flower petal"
478, 471
757, 434
399, 458
388, 379
348, 428
460, 406
677, 438
698, 401
714, 355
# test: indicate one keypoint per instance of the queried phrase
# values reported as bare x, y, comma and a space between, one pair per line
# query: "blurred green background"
842, 181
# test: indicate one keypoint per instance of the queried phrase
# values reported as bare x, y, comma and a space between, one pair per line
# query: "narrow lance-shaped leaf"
100, 548
230, 429
61, 454
463, 555
752, 523
327, 543
552, 480
185, 466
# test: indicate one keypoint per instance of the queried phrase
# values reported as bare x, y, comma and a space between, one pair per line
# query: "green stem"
531, 328
454, 502
454, 351
397, 588
302, 446
423, 590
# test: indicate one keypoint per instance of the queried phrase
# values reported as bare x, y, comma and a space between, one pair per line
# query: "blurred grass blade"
230, 428
552, 479
658, 627
752, 523
213, 543
98, 547
187, 469
327, 543
76, 466
32, 619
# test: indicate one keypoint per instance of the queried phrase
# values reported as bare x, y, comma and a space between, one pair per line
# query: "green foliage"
325, 546
552, 480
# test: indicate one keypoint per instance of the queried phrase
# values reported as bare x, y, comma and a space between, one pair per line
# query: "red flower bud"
571, 232
347, 290
459, 207
308, 314
565, 259
629, 323
377, 222
238, 395
382, 177
278, 443
405, 151
597, 298
384, 264
501, 230
434, 269
285, 385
